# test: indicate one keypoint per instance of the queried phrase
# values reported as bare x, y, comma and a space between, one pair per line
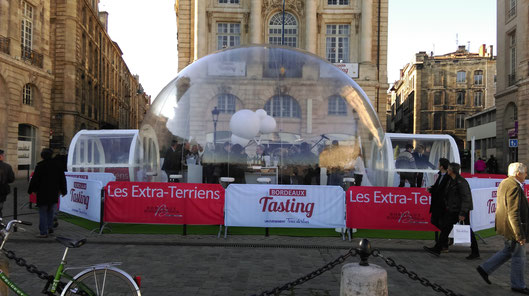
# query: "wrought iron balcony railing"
4, 44
31, 55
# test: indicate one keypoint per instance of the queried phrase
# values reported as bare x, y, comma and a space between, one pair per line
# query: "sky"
146, 33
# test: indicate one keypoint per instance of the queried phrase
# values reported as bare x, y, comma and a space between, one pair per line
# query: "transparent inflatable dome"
266, 114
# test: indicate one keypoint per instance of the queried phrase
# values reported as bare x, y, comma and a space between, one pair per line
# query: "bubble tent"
271, 111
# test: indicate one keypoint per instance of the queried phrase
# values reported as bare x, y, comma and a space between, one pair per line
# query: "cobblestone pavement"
244, 265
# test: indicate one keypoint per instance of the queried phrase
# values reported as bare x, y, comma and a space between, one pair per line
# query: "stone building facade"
512, 95
435, 94
26, 80
352, 34
60, 72
93, 87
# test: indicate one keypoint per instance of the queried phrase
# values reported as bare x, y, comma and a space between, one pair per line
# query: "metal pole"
472, 152
15, 206
101, 223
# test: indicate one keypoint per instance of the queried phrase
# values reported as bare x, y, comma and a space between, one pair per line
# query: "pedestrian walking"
437, 204
458, 204
48, 182
512, 218
6, 176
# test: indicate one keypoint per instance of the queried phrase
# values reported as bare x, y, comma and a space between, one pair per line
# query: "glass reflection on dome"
275, 113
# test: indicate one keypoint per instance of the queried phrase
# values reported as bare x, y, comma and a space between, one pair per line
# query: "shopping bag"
461, 235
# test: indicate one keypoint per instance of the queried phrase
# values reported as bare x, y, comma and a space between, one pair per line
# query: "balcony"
34, 57
511, 79
4, 44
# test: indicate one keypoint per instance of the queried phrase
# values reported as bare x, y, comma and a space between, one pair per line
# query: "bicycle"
95, 280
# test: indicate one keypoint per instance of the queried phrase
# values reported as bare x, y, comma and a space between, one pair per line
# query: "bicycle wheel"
109, 281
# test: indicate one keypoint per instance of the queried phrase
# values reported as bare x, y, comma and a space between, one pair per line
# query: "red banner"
164, 203
394, 208
483, 176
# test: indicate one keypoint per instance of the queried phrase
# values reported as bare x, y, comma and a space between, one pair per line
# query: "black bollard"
364, 251
15, 206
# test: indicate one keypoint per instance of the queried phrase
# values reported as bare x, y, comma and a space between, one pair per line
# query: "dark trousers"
407, 176
358, 179
449, 219
420, 176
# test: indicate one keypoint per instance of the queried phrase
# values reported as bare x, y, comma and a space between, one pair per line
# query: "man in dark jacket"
6, 176
458, 204
437, 205
422, 161
47, 182
512, 218
172, 163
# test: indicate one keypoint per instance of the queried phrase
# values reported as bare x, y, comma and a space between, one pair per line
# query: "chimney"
483, 50
491, 54
103, 18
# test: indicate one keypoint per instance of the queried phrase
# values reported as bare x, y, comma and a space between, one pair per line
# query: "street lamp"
215, 114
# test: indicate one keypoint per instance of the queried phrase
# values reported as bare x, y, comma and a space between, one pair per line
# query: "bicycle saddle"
71, 243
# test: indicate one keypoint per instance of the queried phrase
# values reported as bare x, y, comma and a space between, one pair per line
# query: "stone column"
366, 35
310, 26
201, 30
256, 31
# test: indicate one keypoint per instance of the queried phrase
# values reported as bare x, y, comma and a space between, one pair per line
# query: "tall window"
337, 106
461, 76
478, 77
338, 2
437, 121
26, 36
226, 103
291, 29
460, 120
511, 8
460, 99
478, 99
27, 95
228, 35
337, 43
438, 98
512, 53
282, 106
229, 1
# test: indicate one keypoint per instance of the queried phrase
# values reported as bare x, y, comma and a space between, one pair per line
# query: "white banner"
83, 198
285, 206
103, 177
484, 212
476, 183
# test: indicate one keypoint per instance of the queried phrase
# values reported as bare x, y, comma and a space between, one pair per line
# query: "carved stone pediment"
297, 6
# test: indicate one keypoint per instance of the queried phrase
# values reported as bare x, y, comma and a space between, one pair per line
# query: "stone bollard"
4, 267
363, 278
369, 280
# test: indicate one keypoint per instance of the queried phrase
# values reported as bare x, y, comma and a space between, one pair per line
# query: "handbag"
461, 235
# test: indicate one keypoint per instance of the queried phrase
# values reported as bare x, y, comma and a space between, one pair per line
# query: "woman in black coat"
47, 182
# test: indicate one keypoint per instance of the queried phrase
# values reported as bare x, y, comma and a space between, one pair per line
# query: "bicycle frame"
72, 281
11, 285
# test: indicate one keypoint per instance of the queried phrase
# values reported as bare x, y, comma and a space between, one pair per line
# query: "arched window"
337, 106
282, 106
27, 95
275, 29
226, 103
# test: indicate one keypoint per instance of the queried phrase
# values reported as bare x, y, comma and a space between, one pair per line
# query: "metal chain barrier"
412, 275
30, 268
275, 291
